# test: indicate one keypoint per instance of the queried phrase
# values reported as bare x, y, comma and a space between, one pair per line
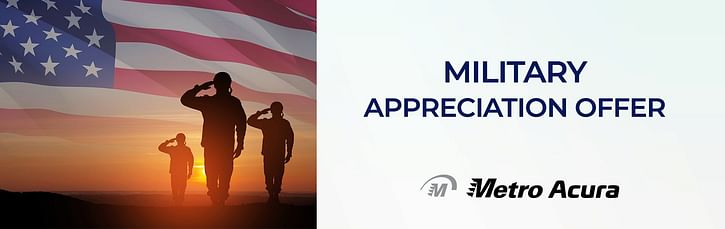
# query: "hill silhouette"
45, 209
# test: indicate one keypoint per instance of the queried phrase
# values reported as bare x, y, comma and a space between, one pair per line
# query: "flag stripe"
92, 101
213, 23
307, 7
82, 128
216, 49
271, 11
103, 102
175, 83
146, 56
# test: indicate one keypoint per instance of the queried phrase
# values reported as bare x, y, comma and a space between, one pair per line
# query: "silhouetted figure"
182, 163
223, 116
277, 133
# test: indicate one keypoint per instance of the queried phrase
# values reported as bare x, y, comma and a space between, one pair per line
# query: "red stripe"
175, 83
40, 122
307, 7
217, 49
263, 9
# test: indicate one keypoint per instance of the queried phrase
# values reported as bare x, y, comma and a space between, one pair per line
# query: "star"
92, 69
72, 51
52, 34
32, 18
49, 66
16, 65
94, 39
9, 28
29, 47
73, 20
84, 9
12, 3
50, 4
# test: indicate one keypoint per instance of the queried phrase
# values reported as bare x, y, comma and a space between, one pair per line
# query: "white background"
670, 170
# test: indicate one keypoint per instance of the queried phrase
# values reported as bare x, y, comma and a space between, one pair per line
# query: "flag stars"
50, 4
94, 39
29, 47
32, 18
84, 9
9, 28
16, 65
49, 66
73, 20
13, 3
51, 34
71, 51
92, 69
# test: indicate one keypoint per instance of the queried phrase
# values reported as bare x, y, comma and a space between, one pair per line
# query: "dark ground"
45, 209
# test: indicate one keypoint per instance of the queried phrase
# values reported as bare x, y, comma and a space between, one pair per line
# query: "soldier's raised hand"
207, 85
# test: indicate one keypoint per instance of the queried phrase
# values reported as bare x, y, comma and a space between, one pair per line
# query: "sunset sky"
50, 151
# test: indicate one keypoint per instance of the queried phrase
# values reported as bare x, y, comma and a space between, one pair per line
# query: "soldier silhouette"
182, 162
223, 116
277, 133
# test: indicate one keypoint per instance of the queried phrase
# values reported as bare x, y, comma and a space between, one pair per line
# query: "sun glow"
198, 174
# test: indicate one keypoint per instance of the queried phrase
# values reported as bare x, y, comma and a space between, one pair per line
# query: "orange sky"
119, 154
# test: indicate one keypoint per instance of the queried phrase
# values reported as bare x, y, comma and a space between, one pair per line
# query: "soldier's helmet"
222, 80
276, 107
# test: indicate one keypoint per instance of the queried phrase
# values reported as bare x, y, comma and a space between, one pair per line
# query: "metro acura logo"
490, 189
439, 189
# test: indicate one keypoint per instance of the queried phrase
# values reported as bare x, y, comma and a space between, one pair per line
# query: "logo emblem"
438, 189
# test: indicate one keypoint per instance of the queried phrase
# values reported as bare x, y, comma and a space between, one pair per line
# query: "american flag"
110, 58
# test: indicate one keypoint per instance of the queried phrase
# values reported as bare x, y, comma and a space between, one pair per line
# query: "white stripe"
103, 102
301, 14
213, 23
147, 56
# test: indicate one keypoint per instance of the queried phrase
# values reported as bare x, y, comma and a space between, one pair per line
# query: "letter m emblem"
437, 190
